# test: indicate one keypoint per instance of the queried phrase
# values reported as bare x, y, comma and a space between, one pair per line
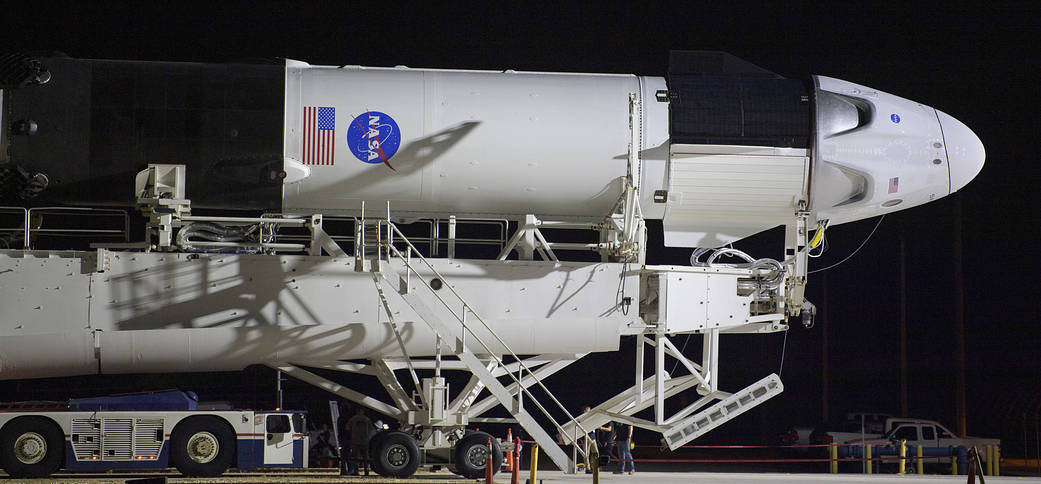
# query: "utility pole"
959, 322
903, 327
278, 389
822, 319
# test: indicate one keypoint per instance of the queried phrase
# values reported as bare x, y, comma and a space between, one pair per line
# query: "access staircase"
460, 330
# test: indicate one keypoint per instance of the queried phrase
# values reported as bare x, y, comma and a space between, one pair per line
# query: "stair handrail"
466, 306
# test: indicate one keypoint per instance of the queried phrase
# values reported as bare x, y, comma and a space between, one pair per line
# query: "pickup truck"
917, 432
928, 433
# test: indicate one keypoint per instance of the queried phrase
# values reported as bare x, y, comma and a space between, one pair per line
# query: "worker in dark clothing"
361, 429
623, 437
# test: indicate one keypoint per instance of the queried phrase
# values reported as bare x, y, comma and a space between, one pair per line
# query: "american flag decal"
319, 135
894, 185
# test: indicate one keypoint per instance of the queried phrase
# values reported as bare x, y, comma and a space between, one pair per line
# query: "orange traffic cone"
509, 456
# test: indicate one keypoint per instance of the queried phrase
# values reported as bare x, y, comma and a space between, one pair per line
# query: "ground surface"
555, 477
543, 477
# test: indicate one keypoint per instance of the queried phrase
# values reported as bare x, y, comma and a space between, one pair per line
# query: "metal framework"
709, 299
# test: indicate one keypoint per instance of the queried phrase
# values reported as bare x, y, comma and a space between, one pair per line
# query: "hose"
771, 280
214, 233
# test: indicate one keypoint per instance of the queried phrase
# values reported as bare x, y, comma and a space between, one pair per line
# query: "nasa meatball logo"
895, 118
373, 137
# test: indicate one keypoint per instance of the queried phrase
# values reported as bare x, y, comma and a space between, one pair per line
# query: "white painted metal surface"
129, 435
719, 194
889, 154
698, 424
470, 142
155, 311
700, 298
507, 144
278, 446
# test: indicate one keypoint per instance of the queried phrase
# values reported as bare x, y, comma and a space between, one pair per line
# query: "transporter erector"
280, 204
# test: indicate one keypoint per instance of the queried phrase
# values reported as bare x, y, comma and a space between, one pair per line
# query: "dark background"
979, 64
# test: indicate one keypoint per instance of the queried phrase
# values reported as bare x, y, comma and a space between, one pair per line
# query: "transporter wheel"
396, 455
471, 455
31, 447
374, 440
202, 446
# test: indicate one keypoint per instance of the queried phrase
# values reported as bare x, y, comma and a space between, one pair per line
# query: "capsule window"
838, 114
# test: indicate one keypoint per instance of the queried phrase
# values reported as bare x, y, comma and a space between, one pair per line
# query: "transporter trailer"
116, 434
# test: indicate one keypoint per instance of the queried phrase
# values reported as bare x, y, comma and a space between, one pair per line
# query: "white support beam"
393, 386
624, 403
396, 363
526, 245
344, 366
693, 368
637, 389
694, 407
321, 240
538, 374
532, 363
473, 388
337, 389
659, 380
710, 358
547, 250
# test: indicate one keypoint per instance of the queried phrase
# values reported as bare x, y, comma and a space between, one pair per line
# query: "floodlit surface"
750, 478
546, 477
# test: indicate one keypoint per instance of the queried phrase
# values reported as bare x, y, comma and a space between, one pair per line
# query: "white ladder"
458, 336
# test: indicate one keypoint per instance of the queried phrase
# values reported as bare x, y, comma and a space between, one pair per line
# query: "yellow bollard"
534, 462
954, 464
920, 463
997, 461
594, 461
990, 460
867, 458
902, 466
833, 464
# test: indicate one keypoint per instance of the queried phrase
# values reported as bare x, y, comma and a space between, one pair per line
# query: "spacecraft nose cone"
965, 153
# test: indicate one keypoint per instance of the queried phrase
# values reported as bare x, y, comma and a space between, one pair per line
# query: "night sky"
978, 64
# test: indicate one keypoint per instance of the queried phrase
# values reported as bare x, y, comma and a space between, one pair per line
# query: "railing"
392, 229
28, 216
23, 225
435, 233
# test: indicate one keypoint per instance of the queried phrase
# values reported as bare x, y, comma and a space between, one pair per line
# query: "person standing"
588, 442
623, 435
360, 427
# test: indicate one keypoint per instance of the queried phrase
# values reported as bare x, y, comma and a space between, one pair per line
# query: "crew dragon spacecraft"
226, 161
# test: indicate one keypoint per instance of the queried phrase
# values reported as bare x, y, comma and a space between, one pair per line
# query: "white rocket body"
505, 144
471, 143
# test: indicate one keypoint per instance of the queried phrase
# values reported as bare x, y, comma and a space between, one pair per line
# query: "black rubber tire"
471, 446
35, 428
206, 428
374, 439
396, 455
